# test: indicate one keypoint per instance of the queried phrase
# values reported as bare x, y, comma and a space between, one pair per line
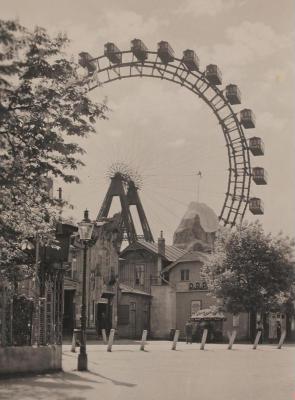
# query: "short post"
256, 340
74, 340
111, 340
104, 336
143, 340
282, 339
232, 339
175, 340
204, 338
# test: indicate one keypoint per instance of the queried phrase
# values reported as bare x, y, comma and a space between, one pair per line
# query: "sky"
162, 130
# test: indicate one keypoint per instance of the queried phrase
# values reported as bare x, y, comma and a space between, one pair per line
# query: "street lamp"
85, 229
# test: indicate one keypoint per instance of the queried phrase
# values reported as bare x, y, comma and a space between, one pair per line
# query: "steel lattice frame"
239, 168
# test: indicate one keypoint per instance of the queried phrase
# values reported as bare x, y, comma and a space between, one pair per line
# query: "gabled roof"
172, 253
188, 257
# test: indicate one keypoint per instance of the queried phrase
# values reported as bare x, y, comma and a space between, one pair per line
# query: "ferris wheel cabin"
233, 94
165, 52
191, 60
259, 176
112, 53
86, 61
139, 49
213, 74
256, 146
256, 206
247, 118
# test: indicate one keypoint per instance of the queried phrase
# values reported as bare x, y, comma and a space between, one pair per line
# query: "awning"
130, 290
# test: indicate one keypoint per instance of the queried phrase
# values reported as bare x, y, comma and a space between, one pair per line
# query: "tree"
43, 107
250, 270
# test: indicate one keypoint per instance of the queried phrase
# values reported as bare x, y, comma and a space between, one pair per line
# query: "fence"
27, 320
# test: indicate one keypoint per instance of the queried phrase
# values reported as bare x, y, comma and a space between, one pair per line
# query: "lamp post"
85, 229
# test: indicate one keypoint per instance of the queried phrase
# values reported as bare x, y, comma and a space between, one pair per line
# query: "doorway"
133, 320
103, 317
69, 312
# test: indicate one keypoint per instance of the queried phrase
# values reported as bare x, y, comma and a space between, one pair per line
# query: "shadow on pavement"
115, 382
49, 386
91, 342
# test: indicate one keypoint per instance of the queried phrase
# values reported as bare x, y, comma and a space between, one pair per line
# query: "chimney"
161, 245
60, 194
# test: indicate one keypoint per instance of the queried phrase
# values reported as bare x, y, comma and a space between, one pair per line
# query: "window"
184, 275
123, 314
139, 274
195, 306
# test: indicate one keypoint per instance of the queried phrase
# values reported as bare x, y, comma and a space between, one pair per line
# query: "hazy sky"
165, 131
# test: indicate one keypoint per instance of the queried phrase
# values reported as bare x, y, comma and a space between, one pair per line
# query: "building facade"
192, 295
160, 288
140, 269
101, 280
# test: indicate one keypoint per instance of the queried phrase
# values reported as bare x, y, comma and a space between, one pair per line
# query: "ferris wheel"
162, 64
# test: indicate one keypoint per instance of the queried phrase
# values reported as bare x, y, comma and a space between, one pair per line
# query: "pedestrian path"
188, 373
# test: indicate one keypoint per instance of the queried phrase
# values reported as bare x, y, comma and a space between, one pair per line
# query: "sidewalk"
159, 373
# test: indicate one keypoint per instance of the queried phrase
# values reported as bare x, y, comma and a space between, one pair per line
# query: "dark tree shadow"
49, 386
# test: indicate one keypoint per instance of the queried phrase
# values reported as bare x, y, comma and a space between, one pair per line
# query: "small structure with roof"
165, 52
139, 49
247, 118
233, 94
256, 146
213, 74
190, 60
256, 206
140, 268
192, 300
259, 176
113, 53
86, 61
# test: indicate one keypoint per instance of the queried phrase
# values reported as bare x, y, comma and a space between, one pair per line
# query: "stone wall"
27, 359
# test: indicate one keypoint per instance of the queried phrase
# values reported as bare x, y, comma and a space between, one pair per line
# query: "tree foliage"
250, 270
43, 107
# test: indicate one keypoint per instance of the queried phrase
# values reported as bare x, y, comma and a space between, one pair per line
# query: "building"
101, 279
192, 295
161, 286
140, 268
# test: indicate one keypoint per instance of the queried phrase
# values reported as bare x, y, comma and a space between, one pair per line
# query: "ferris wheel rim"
239, 163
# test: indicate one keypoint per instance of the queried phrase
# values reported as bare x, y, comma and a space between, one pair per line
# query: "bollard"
104, 336
175, 340
143, 340
111, 340
232, 339
282, 339
74, 339
204, 338
256, 340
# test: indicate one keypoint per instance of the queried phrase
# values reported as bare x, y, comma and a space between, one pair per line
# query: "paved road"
159, 373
